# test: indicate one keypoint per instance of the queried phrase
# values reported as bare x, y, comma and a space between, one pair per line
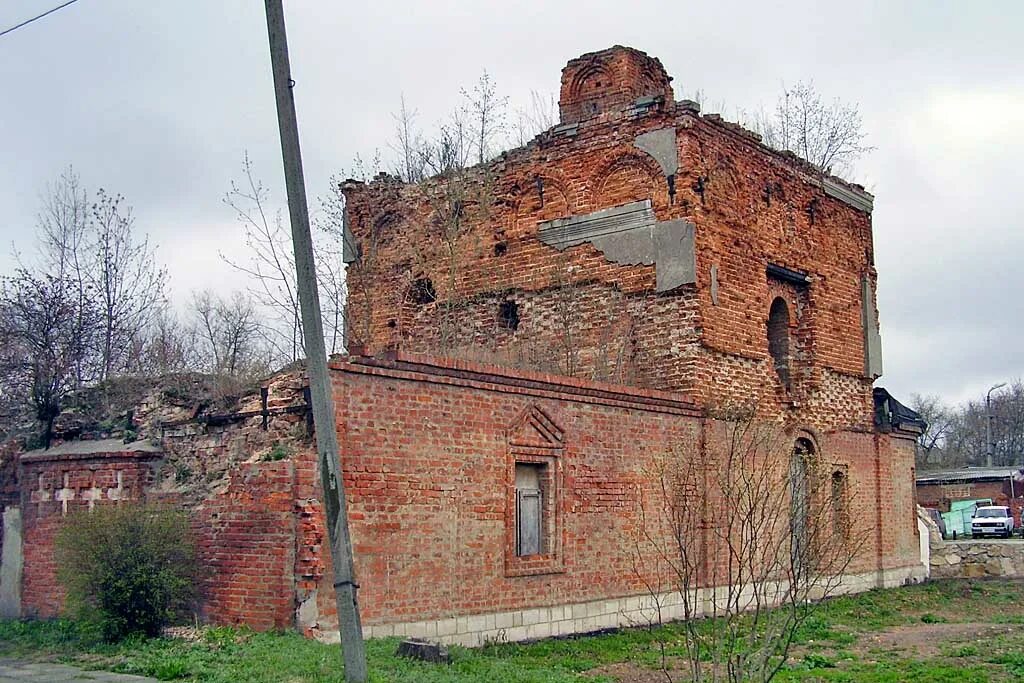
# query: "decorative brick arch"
590, 81
628, 177
559, 201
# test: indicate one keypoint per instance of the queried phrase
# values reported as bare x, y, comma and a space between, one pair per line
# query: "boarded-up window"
529, 509
799, 505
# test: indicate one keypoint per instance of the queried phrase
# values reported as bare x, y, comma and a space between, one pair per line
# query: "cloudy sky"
159, 100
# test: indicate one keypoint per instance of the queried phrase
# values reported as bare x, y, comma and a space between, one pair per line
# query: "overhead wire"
35, 18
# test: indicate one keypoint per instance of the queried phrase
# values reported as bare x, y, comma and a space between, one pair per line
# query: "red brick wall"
247, 548
751, 207
51, 488
246, 533
426, 452
428, 448
940, 495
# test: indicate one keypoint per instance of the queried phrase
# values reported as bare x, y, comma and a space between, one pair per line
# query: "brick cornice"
423, 368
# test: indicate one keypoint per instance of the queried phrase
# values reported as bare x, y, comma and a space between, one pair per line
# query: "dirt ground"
916, 640
927, 640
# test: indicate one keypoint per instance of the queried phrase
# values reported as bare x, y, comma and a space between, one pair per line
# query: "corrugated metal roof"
969, 474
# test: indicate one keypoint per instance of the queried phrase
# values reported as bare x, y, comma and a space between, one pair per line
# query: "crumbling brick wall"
750, 207
245, 475
637, 242
61, 482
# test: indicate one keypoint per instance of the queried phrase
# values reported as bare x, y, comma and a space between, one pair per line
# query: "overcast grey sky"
159, 100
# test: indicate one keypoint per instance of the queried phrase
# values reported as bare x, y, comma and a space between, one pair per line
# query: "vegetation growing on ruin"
129, 570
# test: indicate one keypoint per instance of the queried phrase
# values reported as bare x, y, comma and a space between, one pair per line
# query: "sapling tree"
749, 526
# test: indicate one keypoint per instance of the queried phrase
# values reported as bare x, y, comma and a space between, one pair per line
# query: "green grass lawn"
932, 633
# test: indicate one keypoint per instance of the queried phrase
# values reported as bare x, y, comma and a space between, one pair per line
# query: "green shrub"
128, 569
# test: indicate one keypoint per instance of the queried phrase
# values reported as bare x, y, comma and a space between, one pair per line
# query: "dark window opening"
778, 339
423, 292
508, 315
500, 249
530, 499
392, 324
840, 507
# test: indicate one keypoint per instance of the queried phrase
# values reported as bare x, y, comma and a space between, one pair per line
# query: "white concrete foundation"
561, 620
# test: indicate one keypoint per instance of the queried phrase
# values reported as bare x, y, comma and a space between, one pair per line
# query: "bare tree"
539, 115
62, 227
93, 248
127, 280
941, 421
230, 333
167, 346
827, 134
409, 145
62, 234
45, 333
745, 526
956, 435
486, 111
271, 263
271, 268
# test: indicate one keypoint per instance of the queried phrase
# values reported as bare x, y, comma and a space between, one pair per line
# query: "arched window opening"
799, 506
778, 339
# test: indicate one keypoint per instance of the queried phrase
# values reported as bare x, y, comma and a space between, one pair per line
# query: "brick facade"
568, 312
583, 313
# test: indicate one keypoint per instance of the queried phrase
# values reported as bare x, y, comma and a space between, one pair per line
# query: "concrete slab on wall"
11, 565
630, 235
872, 336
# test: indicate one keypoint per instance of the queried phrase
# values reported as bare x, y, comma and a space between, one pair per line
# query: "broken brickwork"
546, 325
638, 241
246, 473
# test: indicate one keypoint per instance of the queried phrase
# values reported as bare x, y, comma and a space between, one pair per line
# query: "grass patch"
827, 648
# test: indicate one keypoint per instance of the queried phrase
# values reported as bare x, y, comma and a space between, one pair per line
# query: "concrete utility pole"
990, 445
354, 650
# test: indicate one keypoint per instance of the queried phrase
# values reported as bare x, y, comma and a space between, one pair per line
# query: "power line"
29, 21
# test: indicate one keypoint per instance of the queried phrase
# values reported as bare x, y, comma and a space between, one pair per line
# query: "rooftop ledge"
88, 449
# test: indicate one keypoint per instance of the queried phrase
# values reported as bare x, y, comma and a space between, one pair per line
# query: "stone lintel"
562, 233
858, 200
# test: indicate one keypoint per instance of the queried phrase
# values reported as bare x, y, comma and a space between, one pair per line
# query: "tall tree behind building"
126, 278
76, 313
956, 434
830, 135
47, 332
94, 249
269, 264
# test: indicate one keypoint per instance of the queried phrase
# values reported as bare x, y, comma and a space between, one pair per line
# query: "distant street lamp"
990, 445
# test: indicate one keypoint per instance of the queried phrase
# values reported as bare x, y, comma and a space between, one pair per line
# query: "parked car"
992, 520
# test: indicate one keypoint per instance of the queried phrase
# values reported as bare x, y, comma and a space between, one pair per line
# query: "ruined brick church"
524, 337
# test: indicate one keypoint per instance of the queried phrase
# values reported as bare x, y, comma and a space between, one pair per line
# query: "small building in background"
948, 490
